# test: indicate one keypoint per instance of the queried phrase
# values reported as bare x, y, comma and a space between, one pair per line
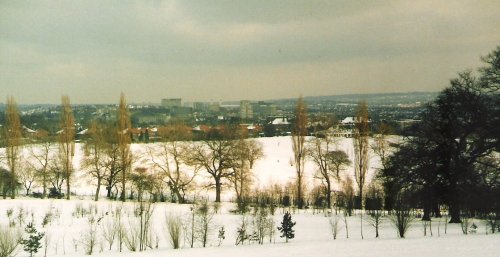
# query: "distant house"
281, 125
201, 128
29, 133
350, 122
251, 129
280, 121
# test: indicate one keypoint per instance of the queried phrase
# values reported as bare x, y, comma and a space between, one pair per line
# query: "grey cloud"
181, 47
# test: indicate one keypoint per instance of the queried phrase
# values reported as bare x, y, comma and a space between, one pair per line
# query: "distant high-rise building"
200, 106
171, 102
246, 111
262, 108
214, 107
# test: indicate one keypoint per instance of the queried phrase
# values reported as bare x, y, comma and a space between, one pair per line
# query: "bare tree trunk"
96, 197
328, 193
217, 189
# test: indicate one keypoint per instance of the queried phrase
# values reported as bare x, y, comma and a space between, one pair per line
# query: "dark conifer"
286, 228
33, 243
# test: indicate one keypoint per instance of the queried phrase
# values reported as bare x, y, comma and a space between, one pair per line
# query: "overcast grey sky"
231, 50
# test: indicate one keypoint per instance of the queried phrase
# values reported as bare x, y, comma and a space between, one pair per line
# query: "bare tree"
56, 178
41, 156
381, 146
247, 152
13, 135
143, 182
361, 147
216, 156
113, 163
27, 176
299, 133
94, 161
171, 159
339, 161
374, 207
361, 154
123, 122
317, 149
204, 226
329, 162
66, 142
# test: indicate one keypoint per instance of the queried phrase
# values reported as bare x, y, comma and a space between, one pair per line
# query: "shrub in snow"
286, 228
174, 228
204, 217
189, 225
374, 207
221, 236
241, 231
89, 238
9, 240
401, 216
334, 220
109, 228
493, 222
465, 222
262, 224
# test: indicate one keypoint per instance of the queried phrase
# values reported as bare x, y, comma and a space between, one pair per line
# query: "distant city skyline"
236, 50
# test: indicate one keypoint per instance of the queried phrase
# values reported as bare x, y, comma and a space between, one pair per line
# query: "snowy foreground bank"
68, 229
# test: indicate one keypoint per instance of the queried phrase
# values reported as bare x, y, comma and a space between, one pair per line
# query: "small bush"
334, 220
9, 240
174, 228
401, 216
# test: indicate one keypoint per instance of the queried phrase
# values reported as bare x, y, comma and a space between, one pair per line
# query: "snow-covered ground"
312, 232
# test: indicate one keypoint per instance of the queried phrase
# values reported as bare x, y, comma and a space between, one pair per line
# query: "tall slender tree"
123, 127
299, 134
94, 160
13, 135
361, 147
67, 142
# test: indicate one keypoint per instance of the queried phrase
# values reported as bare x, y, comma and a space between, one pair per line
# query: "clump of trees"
451, 157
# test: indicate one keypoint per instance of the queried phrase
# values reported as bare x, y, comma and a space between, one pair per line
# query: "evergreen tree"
33, 243
286, 228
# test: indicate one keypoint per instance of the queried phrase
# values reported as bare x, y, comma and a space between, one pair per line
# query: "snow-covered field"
313, 236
